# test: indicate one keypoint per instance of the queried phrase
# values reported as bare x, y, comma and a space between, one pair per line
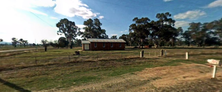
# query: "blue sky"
34, 20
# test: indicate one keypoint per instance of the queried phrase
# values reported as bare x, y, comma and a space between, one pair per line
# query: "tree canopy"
68, 28
93, 29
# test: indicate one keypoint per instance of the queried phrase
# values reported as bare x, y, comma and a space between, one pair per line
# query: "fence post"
142, 54
161, 52
187, 55
214, 71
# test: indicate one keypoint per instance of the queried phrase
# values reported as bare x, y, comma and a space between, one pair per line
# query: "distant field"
10, 47
59, 68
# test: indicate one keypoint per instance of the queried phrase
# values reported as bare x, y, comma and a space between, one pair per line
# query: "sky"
34, 20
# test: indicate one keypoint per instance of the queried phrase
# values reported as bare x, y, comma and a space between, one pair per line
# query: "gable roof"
103, 40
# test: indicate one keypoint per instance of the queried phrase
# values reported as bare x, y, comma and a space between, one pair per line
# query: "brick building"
103, 44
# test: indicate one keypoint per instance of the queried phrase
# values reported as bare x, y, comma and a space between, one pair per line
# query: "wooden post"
187, 55
141, 54
161, 52
214, 71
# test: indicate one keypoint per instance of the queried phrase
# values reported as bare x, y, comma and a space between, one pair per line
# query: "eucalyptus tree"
141, 29
68, 28
45, 44
163, 29
93, 29
14, 42
23, 42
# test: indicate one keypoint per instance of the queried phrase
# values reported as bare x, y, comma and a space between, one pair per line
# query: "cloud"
73, 8
216, 3
34, 3
69, 8
124, 31
53, 17
36, 12
190, 14
101, 17
181, 24
81, 27
167, 0
24, 27
114, 34
27, 5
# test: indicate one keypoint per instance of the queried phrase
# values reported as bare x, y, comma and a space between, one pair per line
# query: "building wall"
116, 46
83, 46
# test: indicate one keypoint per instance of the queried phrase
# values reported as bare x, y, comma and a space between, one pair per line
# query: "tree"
45, 44
163, 29
93, 29
14, 42
24, 42
62, 42
141, 28
126, 38
68, 28
114, 37
187, 36
78, 42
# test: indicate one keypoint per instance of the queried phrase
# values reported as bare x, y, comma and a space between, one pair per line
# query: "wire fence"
34, 58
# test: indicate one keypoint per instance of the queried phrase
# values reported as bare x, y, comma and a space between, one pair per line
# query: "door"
86, 46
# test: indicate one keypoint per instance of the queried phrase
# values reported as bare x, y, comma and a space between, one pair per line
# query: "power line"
41, 19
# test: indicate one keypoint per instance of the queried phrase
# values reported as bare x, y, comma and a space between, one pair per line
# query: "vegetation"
59, 68
93, 29
162, 32
68, 28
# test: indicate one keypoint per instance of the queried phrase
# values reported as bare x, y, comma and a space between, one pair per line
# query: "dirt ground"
182, 78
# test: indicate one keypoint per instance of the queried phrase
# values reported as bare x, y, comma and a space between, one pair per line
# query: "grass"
58, 68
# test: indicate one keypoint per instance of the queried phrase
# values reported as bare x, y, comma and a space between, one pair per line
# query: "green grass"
58, 68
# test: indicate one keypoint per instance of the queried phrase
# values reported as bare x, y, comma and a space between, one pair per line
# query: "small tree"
62, 42
14, 42
24, 42
45, 44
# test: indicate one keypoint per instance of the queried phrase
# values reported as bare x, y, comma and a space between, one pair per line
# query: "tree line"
143, 31
162, 32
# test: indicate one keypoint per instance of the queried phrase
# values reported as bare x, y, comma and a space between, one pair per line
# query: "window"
95, 44
120, 45
111, 44
104, 45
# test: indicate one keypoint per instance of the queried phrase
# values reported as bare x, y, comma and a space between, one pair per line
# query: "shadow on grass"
11, 85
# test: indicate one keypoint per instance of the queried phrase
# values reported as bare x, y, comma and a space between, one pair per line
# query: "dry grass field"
102, 71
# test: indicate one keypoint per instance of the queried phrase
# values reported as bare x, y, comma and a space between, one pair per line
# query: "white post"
214, 71
165, 52
187, 55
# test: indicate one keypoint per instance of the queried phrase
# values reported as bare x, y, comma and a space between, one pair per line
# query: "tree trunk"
141, 42
45, 48
69, 40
